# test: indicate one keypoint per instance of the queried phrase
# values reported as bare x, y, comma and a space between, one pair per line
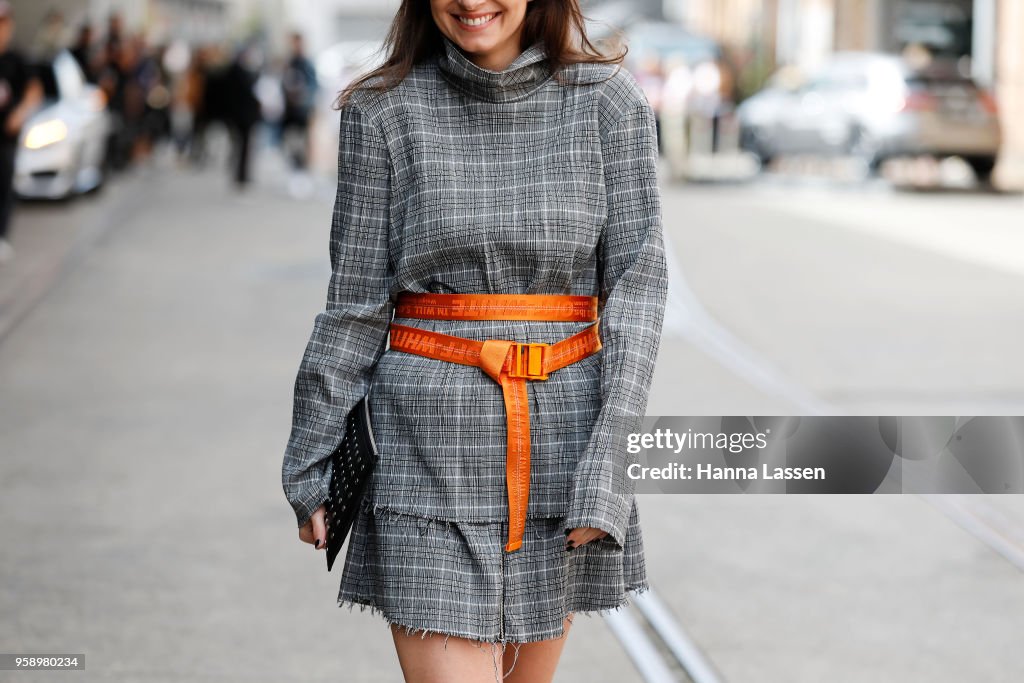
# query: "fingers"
582, 536
314, 531
319, 529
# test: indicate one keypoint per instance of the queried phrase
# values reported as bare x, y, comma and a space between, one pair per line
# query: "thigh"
535, 662
437, 659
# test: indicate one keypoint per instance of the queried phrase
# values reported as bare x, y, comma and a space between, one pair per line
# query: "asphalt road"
148, 342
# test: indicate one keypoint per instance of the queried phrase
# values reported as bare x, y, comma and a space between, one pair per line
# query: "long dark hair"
414, 37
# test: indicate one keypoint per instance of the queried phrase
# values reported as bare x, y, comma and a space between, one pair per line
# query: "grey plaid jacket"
464, 180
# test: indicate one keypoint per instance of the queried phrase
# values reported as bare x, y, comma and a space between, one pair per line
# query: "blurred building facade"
763, 33
990, 33
327, 22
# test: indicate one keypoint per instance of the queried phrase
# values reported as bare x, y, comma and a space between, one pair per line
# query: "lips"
476, 22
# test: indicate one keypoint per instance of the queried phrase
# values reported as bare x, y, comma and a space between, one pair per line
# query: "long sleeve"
350, 335
633, 291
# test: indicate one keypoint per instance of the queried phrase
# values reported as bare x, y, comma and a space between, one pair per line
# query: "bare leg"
536, 662
429, 660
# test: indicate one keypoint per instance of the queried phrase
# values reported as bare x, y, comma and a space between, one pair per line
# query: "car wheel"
864, 147
982, 167
750, 141
101, 176
90, 172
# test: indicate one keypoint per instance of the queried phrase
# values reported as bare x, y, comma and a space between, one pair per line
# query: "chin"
476, 44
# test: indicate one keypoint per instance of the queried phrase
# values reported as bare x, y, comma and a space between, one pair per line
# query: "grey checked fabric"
454, 577
464, 180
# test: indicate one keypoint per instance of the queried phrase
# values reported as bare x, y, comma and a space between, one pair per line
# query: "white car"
62, 147
875, 107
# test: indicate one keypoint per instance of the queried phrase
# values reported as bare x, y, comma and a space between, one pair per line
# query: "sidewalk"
49, 236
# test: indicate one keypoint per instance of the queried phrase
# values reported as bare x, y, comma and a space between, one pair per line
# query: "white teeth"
477, 21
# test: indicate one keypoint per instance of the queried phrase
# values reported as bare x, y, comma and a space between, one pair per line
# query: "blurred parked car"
63, 145
875, 106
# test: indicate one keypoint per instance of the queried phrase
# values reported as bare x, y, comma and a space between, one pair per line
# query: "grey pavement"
146, 388
845, 589
867, 319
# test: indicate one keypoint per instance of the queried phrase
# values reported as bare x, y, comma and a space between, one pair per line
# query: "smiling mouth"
477, 21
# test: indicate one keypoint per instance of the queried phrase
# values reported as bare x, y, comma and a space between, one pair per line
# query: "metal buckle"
529, 364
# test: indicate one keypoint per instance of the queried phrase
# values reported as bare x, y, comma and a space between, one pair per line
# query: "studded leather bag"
353, 462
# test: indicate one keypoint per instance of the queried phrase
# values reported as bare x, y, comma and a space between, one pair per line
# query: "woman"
494, 182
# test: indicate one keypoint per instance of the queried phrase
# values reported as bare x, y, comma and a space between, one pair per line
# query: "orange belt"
509, 363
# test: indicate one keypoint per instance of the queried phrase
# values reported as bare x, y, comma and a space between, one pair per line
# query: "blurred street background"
841, 186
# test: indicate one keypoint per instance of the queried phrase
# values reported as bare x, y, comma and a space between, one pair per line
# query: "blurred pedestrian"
84, 53
115, 29
154, 83
674, 114
20, 93
187, 102
113, 81
136, 83
299, 84
51, 37
207, 77
650, 74
242, 108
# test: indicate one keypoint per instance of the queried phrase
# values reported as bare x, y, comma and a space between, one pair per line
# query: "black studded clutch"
353, 462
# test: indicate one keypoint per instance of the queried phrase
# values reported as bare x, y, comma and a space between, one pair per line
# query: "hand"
582, 536
14, 123
29, 103
315, 530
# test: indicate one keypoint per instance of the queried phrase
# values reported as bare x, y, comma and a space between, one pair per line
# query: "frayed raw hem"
631, 592
503, 643
367, 604
424, 632
409, 630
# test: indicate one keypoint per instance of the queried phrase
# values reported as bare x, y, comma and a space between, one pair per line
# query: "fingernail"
317, 544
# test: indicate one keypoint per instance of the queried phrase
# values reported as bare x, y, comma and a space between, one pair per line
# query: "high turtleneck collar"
524, 76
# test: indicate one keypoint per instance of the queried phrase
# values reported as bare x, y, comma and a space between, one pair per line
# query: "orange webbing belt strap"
553, 307
509, 363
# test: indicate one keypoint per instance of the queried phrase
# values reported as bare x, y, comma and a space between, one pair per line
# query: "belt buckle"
529, 364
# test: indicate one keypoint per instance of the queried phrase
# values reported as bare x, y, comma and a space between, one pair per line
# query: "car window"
840, 76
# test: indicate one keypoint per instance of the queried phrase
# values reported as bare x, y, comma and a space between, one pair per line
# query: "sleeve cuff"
306, 505
610, 515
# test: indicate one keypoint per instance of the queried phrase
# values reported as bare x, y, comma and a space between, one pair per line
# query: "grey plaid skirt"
454, 578
432, 565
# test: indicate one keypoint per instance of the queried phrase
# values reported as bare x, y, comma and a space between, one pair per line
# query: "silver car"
62, 147
875, 106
